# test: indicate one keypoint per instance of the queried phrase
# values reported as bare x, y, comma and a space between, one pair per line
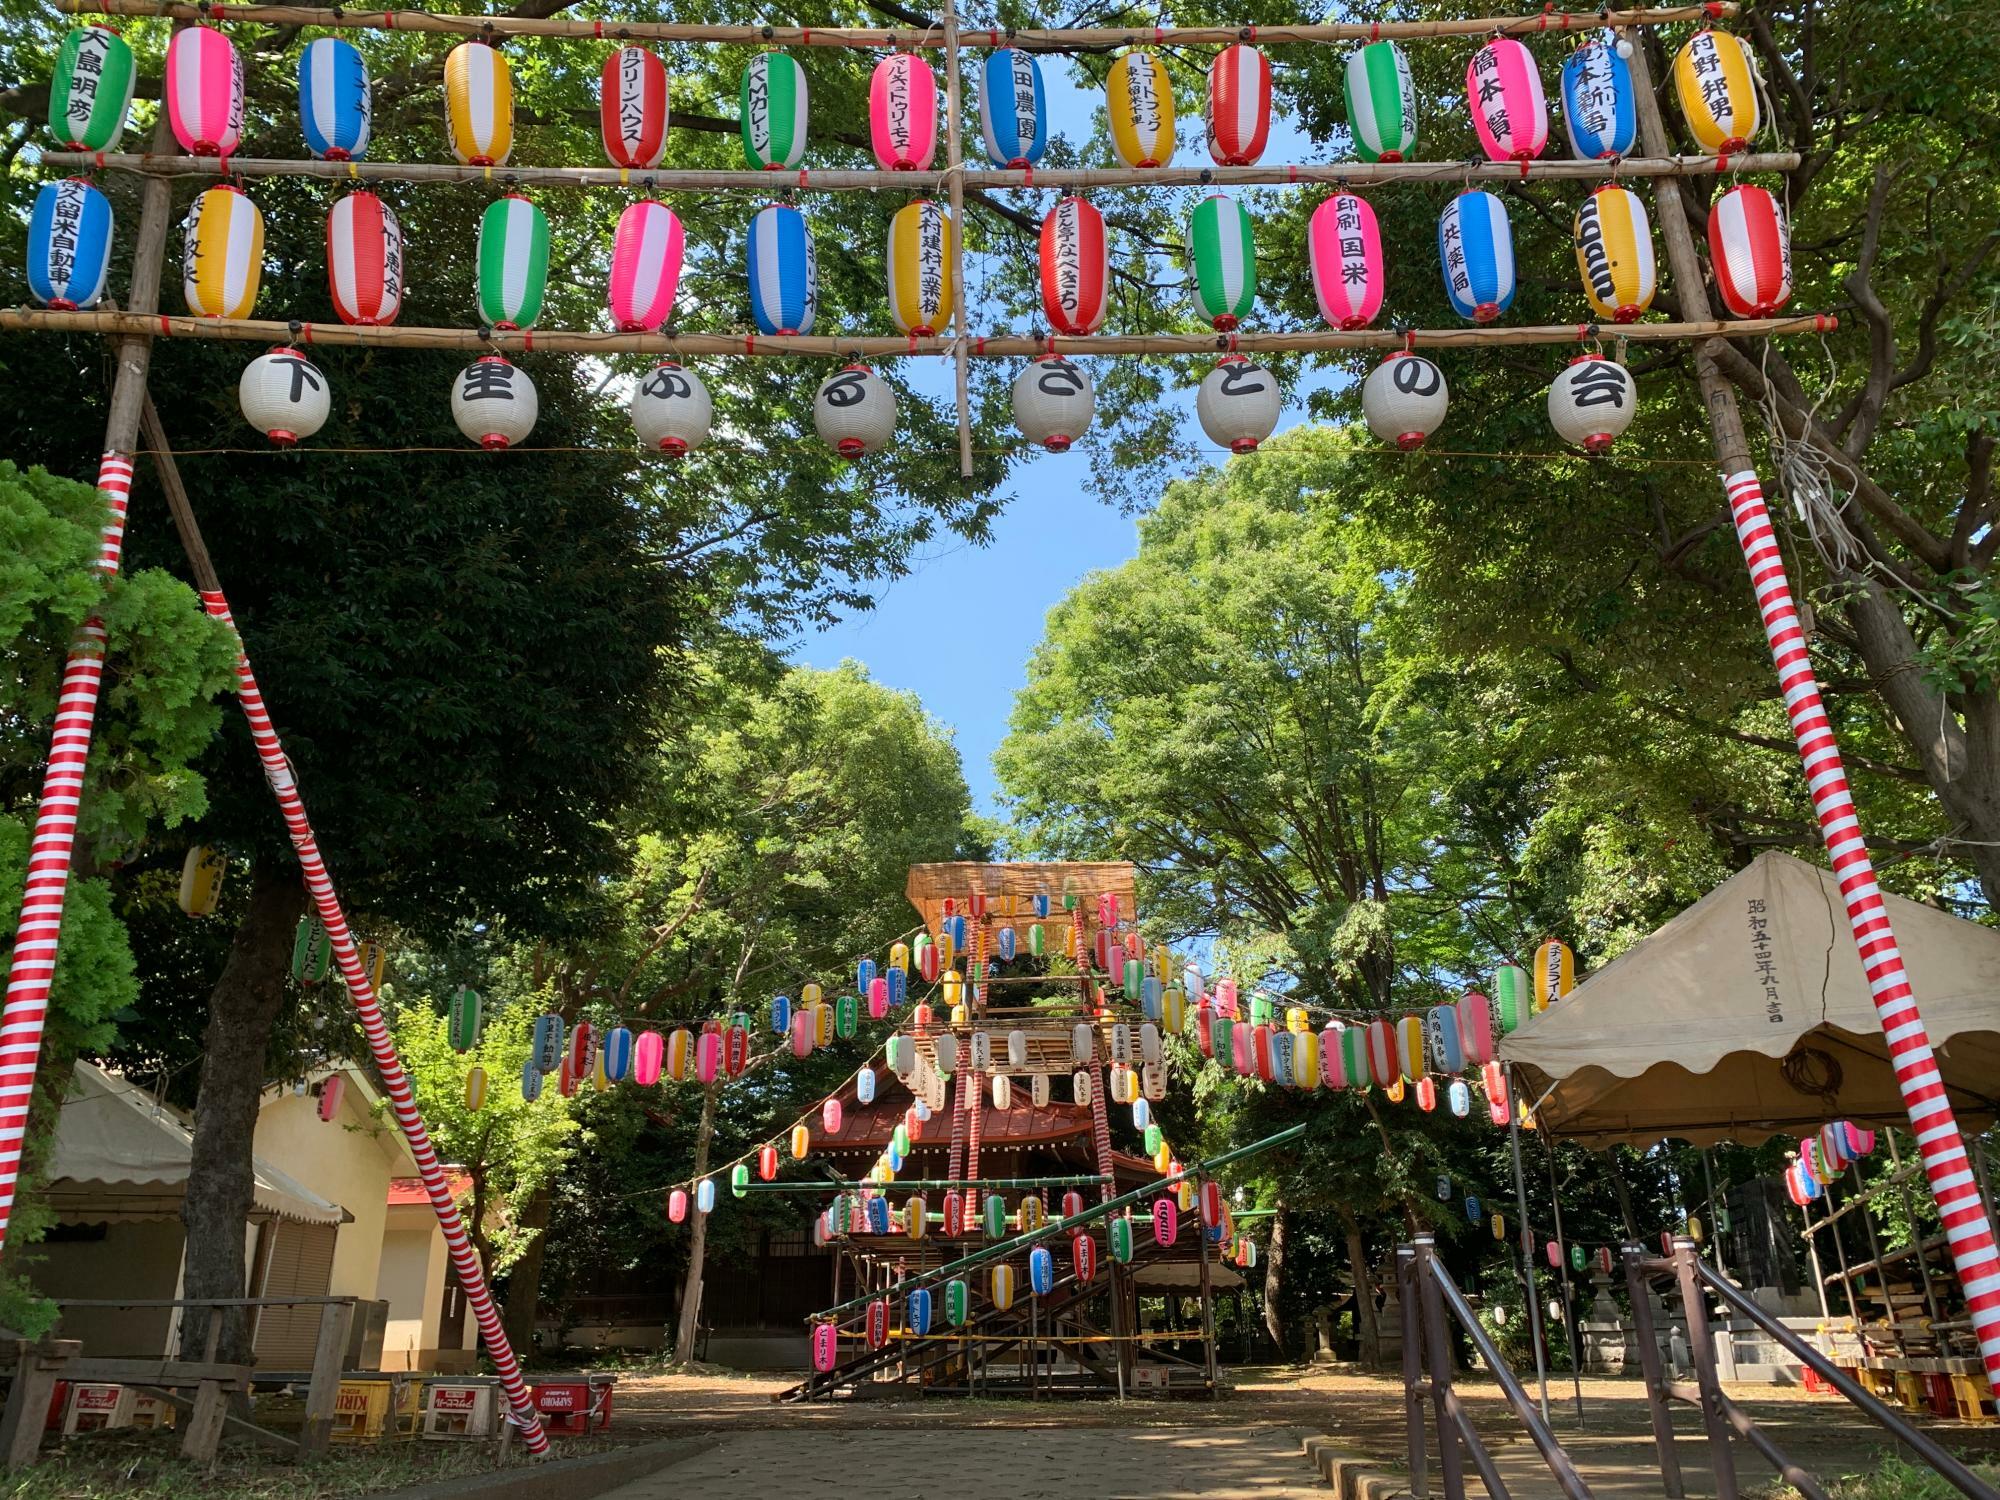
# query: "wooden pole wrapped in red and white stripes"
40, 927
1952, 1183
395, 1082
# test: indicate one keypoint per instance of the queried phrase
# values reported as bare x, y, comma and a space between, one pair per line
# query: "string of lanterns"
1823, 1156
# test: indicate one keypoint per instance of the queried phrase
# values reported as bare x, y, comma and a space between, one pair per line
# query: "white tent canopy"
1748, 1015
120, 1156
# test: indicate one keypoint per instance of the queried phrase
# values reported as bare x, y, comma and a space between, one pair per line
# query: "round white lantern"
1238, 404
1592, 402
855, 411
671, 409
1003, 1091
1053, 402
284, 395
494, 402
1404, 399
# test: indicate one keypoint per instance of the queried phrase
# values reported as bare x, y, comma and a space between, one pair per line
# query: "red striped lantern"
1751, 244
1384, 1064
767, 1162
1076, 268
878, 1322
1072, 1204
1239, 105
1211, 1204
1083, 1251
633, 108
364, 260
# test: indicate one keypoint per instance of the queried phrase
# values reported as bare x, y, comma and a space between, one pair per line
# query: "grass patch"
1896, 1479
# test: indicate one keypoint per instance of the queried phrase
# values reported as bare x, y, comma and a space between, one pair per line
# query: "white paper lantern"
1592, 402
1081, 1049
494, 402
1038, 1090
1017, 1049
1238, 404
855, 411
1149, 1042
982, 1051
671, 409
1053, 402
946, 1050
1404, 399
1079, 1083
284, 396
1003, 1091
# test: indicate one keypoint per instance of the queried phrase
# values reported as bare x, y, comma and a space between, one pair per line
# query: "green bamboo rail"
825, 1185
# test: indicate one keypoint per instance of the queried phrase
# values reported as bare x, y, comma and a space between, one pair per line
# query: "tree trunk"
1367, 1336
1623, 1191
524, 1282
1274, 1279
697, 1237
241, 1011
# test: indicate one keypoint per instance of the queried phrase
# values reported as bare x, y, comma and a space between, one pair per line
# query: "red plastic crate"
1816, 1384
575, 1406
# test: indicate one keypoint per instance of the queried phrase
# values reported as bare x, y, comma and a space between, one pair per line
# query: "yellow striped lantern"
1140, 97
1410, 1046
1555, 972
916, 1216
1003, 1288
1305, 1059
1614, 254
1173, 1012
223, 255
475, 1088
679, 1045
374, 964
1034, 1213
1717, 84
201, 880
801, 1142
478, 104
1163, 1160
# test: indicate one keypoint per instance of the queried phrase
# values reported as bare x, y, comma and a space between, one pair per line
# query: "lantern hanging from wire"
902, 113
223, 255
649, 1051
335, 100
1222, 252
284, 396
69, 245
364, 260
1238, 404
1508, 109
1140, 98
1075, 267
855, 411
1590, 403
1239, 105
1404, 399
1381, 102
1344, 245
513, 262
1476, 252
632, 108
773, 112
1750, 243
494, 403
90, 92
1614, 254
919, 262
204, 91
478, 104
1716, 80
1599, 106
1013, 108
783, 271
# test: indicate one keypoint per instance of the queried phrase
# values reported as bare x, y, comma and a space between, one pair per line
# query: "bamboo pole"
992, 346
1030, 39
988, 179
954, 156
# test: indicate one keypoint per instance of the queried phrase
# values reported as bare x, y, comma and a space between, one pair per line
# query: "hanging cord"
1805, 473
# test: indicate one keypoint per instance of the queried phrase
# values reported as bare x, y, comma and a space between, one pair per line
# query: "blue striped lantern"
917, 1312
1476, 250
1442, 1039
878, 1215
1041, 1271
69, 245
1598, 107
784, 278
531, 1078
616, 1053
1150, 993
336, 105
1007, 945
956, 927
548, 1049
781, 1014
864, 974
899, 986
1282, 1043
1013, 110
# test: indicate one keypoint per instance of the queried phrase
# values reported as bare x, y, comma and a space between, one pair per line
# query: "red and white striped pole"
40, 928
395, 1082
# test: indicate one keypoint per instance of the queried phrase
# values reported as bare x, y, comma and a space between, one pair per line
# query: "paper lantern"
1033, 1215
767, 1162
1717, 84
902, 113
1333, 1057
1382, 1061
513, 262
614, 1056
1121, 1240
1751, 244
1238, 404
223, 252
917, 1312
1344, 245
1599, 108
201, 872
1381, 102
1037, 939
825, 1336
1404, 399
1508, 110
1222, 255
773, 120
855, 411
1013, 110
1426, 1092
475, 1088
784, 275
704, 1196
478, 104
864, 1086
1166, 1221
645, 266
284, 396
919, 260
1075, 267
1475, 1210
877, 1220
1041, 1271
801, 1142
1001, 1288
1274, 1056
69, 245
1590, 404
1460, 1098
878, 1322
1239, 105
1211, 1204
1513, 996
462, 1019
1475, 1028
1614, 253
1476, 251
1354, 1058
331, 1090
531, 1080
1079, 1084
547, 1049
494, 403
582, 1055
632, 108
364, 260
649, 1050
1004, 944
957, 1302
1410, 1046
1140, 98
1083, 1257
680, 1053
1003, 1092
945, 1049
91, 89
781, 1014
994, 1213
1443, 1039
336, 106
204, 92
804, 1033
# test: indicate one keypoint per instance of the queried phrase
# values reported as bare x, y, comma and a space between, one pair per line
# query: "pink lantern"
1475, 1028
649, 1055
826, 1345
830, 1116
902, 113
1508, 108
878, 998
645, 266
802, 1033
1225, 997
1345, 246
330, 1090
677, 1205
707, 1056
1495, 1079
204, 91
1427, 1095
1332, 1063
1166, 1219
1243, 1046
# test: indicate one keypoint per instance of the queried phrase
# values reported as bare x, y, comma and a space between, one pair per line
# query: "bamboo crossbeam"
986, 179
1028, 38
998, 346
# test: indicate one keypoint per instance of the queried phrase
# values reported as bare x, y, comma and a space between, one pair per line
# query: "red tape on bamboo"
40, 926
1950, 1174
395, 1083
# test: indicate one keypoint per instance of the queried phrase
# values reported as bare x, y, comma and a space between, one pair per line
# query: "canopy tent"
1748, 1015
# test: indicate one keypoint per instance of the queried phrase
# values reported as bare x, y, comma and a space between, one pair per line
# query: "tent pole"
1562, 1268
1527, 1243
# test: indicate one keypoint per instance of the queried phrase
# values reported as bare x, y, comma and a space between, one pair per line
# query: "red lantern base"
61, 304
338, 154
674, 447
1058, 442
1627, 314
1409, 440
493, 442
281, 437
849, 447
1597, 443
1486, 312
205, 148
1226, 322
480, 161
1243, 445
1390, 156
1350, 323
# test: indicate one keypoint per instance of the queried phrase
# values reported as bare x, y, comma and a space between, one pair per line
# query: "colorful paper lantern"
1075, 267
1716, 80
1443, 1043
1013, 109
1001, 1288
1508, 110
878, 1322
1121, 1240
917, 1312
632, 108
784, 275
1404, 399
478, 104
364, 260
1223, 257
223, 255
1614, 253
204, 92
1410, 1046
1344, 245
1476, 250
649, 1050
919, 261
902, 113
1238, 404
1382, 1062
773, 120
1140, 98
336, 106
1083, 1257
513, 262
1475, 1027
1599, 106
825, 1342
1750, 243
1514, 996
855, 411
463, 1014
1460, 1098
680, 1053
494, 403
1041, 1271
1166, 1221
69, 245
531, 1080
90, 91
704, 1196
1590, 403
547, 1048
646, 253
1239, 105
1381, 102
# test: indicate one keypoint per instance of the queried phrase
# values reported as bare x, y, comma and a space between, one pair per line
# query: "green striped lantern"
1219, 1036
1381, 102
1037, 943
513, 262
739, 1179
1260, 1010
1121, 1239
847, 1015
1513, 1000
1153, 1138
996, 1216
312, 952
1354, 1055
957, 1302
774, 112
91, 90
1135, 978
1224, 255
899, 1140
462, 1020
